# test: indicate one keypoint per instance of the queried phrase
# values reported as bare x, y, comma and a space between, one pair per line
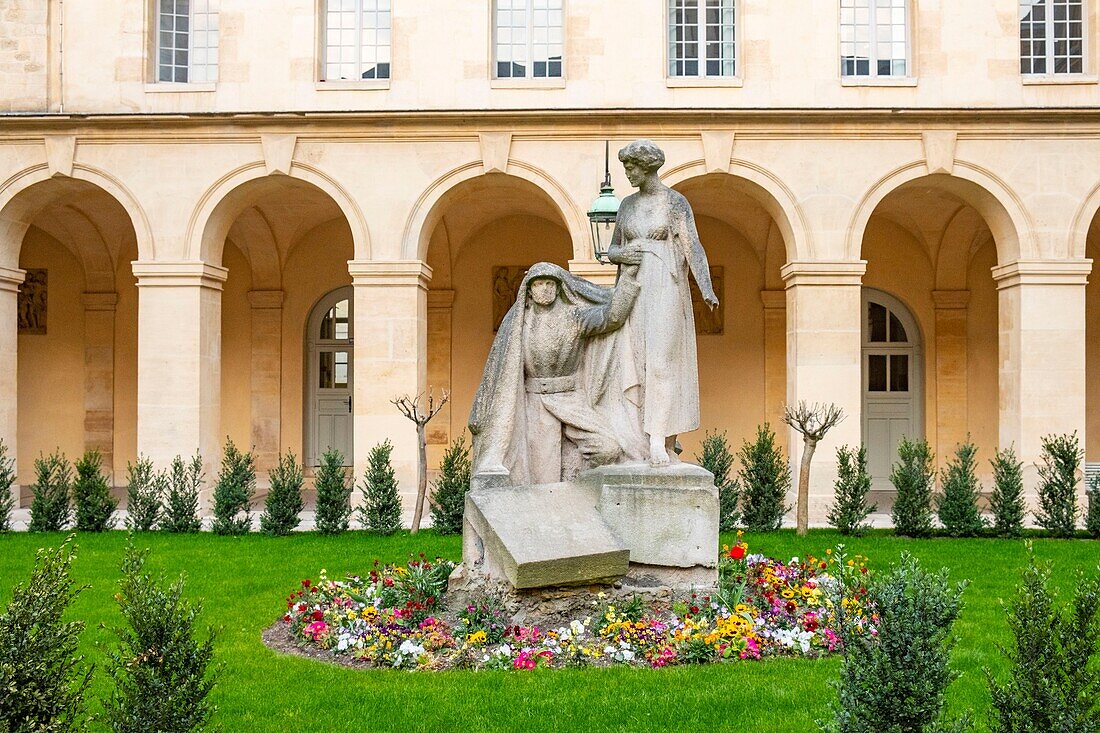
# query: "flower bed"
395, 617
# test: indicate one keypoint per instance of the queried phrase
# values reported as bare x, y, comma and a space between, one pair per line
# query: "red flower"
738, 552
306, 583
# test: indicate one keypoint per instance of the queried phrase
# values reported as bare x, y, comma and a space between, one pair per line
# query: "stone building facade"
265, 220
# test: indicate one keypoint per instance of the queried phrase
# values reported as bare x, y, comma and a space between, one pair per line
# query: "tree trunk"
803, 513
422, 476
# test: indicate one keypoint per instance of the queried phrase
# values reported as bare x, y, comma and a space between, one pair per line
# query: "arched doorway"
329, 373
893, 383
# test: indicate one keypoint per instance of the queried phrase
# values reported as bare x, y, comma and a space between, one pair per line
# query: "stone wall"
23, 55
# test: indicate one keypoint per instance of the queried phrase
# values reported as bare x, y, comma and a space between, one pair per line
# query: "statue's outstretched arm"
696, 255
611, 317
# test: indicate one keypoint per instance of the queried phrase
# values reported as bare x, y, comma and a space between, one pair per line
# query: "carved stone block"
32, 303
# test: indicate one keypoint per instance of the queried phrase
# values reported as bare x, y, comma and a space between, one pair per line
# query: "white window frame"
701, 58
873, 74
1049, 40
324, 78
201, 59
529, 70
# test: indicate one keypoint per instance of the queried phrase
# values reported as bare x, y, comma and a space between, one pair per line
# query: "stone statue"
552, 401
656, 233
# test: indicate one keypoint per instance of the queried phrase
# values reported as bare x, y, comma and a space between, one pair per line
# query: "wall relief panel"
32, 304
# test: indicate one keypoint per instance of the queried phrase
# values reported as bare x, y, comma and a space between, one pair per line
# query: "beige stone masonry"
440, 317
267, 376
824, 351
10, 281
99, 376
1042, 356
775, 356
390, 355
179, 362
951, 369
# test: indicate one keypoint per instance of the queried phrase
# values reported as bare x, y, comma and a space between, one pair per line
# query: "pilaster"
10, 280
267, 376
99, 376
952, 409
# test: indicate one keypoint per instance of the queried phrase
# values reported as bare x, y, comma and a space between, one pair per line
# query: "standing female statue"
656, 231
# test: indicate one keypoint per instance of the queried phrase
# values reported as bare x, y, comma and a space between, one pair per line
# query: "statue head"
641, 158
543, 290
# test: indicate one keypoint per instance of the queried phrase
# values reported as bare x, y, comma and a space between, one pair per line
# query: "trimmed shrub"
850, 509
144, 493
334, 487
896, 681
41, 684
1061, 456
912, 477
450, 489
284, 499
1053, 684
181, 502
92, 495
718, 459
162, 674
765, 481
957, 507
50, 510
7, 480
1092, 517
1007, 501
234, 491
381, 509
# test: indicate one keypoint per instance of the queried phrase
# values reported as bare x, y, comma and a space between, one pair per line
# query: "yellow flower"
787, 593
478, 637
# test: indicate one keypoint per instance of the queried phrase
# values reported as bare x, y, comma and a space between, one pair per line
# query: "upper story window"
874, 38
1052, 34
527, 39
187, 41
357, 40
701, 38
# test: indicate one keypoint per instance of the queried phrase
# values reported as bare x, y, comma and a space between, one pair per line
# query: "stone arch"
223, 202
94, 254
1082, 222
768, 190
1001, 208
25, 194
428, 209
954, 250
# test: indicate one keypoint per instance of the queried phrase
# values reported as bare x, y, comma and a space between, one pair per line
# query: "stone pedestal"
650, 527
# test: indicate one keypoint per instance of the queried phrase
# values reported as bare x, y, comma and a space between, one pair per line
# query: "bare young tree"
410, 407
813, 422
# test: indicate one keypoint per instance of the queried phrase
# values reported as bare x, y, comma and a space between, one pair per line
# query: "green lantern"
604, 211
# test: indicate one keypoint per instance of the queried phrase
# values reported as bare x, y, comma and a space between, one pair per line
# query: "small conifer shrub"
92, 495
41, 682
334, 486
912, 477
850, 509
181, 501
1053, 682
1092, 517
718, 459
51, 510
896, 681
234, 491
1061, 460
144, 495
381, 509
450, 489
7, 480
1007, 500
765, 481
162, 673
284, 499
957, 507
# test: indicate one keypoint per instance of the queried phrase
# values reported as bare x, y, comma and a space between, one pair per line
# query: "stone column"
440, 430
390, 355
824, 352
267, 376
775, 358
1041, 328
179, 362
9, 365
951, 370
99, 376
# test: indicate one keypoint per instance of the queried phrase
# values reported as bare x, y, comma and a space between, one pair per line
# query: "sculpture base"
658, 527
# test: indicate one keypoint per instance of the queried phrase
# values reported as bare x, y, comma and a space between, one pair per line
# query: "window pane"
335, 324
876, 323
876, 373
897, 331
899, 373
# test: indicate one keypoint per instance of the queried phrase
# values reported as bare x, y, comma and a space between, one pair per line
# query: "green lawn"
244, 582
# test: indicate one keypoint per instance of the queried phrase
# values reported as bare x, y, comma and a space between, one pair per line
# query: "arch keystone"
717, 150
939, 150
278, 152
60, 153
495, 148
